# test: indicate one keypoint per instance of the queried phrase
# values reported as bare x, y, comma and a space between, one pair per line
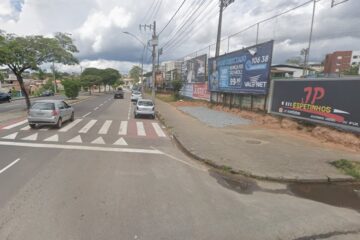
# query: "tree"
87, 81
71, 87
176, 84
29, 52
135, 73
353, 70
109, 76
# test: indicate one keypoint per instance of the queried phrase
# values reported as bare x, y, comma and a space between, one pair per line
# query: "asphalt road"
19, 104
109, 176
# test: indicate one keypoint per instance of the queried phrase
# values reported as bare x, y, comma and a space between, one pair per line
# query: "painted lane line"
44, 129
54, 138
105, 127
96, 108
15, 125
88, 126
121, 142
86, 114
158, 130
99, 140
32, 137
80, 147
101, 105
123, 128
11, 136
25, 128
76, 139
140, 129
70, 125
9, 166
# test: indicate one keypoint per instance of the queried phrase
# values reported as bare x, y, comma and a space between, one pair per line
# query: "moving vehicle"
47, 93
135, 95
119, 93
144, 107
5, 97
50, 112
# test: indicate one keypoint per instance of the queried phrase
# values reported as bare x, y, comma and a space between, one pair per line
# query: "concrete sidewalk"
252, 151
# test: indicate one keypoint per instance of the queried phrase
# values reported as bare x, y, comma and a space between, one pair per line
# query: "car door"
69, 110
62, 109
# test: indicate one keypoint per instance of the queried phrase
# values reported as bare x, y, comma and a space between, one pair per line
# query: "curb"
247, 173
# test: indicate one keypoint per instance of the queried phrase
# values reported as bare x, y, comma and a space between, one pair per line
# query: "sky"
98, 26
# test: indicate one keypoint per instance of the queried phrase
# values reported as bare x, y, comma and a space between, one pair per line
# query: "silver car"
50, 112
135, 95
144, 107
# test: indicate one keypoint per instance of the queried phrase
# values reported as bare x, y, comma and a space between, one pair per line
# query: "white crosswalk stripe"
70, 125
158, 130
15, 125
105, 127
32, 137
99, 140
88, 126
54, 138
121, 142
123, 128
140, 129
76, 139
11, 136
25, 128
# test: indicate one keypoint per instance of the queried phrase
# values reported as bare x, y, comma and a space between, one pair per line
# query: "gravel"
214, 118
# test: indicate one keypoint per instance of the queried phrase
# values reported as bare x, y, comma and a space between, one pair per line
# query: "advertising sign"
187, 90
333, 102
159, 80
200, 91
194, 70
243, 71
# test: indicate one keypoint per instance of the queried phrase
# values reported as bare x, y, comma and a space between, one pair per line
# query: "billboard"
334, 102
187, 90
243, 71
200, 91
194, 70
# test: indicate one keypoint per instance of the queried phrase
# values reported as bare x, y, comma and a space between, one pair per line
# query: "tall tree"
135, 73
29, 52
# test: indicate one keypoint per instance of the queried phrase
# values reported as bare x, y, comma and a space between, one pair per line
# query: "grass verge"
349, 167
166, 97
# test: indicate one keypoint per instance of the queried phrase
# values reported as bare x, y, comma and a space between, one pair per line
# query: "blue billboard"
243, 71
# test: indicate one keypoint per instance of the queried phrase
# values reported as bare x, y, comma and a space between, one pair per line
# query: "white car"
135, 95
144, 107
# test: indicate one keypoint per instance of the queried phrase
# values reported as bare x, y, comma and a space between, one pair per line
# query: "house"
288, 71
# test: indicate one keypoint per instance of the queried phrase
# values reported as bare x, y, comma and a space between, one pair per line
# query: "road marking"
44, 129
53, 138
15, 124
80, 147
32, 137
99, 140
11, 136
101, 105
105, 127
96, 108
123, 128
140, 129
86, 114
70, 125
25, 128
9, 166
121, 142
76, 139
158, 130
88, 126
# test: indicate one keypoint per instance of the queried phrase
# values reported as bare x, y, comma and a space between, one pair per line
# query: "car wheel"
32, 126
59, 123
153, 116
135, 115
72, 117
9, 99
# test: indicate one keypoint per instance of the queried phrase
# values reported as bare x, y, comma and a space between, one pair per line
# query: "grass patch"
166, 97
349, 167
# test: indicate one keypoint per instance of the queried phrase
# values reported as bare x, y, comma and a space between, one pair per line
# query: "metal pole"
218, 39
142, 70
307, 56
153, 62
55, 88
257, 33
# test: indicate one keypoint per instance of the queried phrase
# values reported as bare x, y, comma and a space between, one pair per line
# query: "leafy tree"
353, 70
29, 52
109, 76
95, 76
87, 81
2, 78
49, 85
71, 87
177, 84
135, 73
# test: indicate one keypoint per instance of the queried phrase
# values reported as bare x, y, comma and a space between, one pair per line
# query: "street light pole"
307, 55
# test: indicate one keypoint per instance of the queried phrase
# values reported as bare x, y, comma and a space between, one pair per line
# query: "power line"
156, 12
147, 12
151, 15
172, 17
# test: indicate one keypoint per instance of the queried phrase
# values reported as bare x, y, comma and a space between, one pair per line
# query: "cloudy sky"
97, 27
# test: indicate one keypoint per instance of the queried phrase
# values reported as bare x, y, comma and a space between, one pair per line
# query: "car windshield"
136, 93
43, 106
145, 103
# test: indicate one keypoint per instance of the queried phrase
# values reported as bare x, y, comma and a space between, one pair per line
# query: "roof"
287, 66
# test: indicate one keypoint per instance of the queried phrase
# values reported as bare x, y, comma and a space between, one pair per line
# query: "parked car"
50, 112
47, 93
5, 97
144, 107
135, 95
119, 93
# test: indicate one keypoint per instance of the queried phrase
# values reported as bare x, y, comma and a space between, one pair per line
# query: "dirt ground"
311, 132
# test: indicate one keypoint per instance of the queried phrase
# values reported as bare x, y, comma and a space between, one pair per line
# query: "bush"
177, 85
71, 87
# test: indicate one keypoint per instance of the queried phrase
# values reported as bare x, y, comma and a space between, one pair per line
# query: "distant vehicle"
135, 95
50, 112
47, 93
144, 107
5, 97
136, 89
119, 93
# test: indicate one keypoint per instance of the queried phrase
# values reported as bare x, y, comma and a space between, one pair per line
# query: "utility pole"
223, 4
307, 56
55, 86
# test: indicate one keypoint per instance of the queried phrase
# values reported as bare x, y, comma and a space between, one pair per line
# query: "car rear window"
43, 106
145, 103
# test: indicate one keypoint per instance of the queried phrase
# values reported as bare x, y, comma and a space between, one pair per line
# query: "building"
287, 71
338, 62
